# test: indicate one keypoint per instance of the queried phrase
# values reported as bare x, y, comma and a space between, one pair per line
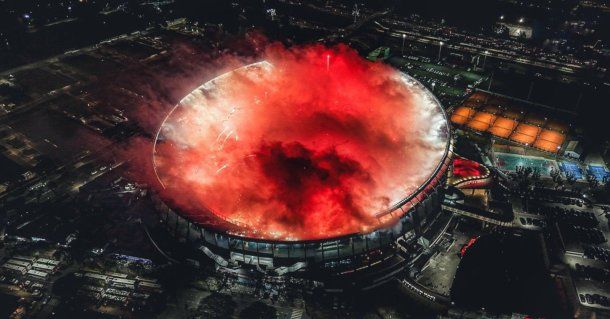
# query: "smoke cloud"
309, 144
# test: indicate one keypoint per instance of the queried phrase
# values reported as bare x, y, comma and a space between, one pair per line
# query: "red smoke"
311, 145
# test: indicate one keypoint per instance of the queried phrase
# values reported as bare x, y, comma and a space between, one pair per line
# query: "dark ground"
505, 274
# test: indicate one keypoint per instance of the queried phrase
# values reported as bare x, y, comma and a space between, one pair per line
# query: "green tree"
570, 178
592, 181
556, 177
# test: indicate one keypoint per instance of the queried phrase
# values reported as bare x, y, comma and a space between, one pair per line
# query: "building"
364, 259
517, 30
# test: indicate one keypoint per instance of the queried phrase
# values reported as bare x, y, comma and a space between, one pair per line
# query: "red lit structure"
302, 161
469, 174
469, 244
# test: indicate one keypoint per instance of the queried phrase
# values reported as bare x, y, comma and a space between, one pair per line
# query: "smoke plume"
309, 144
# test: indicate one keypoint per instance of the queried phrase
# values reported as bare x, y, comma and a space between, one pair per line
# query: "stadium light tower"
485, 58
440, 47
491, 78
402, 49
356, 12
529, 94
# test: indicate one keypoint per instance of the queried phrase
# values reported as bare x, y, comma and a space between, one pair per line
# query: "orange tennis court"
512, 114
461, 115
481, 121
503, 127
525, 134
493, 109
478, 96
534, 119
508, 119
557, 126
549, 141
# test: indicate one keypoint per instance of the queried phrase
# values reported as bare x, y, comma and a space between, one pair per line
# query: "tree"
556, 177
601, 190
522, 178
536, 175
591, 180
570, 178
258, 310
554, 173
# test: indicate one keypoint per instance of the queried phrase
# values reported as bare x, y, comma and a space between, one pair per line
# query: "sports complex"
230, 207
506, 119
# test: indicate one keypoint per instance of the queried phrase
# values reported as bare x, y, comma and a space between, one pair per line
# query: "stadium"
226, 190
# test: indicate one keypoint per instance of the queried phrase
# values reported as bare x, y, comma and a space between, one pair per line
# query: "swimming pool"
509, 162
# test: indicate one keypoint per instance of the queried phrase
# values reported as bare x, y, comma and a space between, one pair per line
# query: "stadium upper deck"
231, 152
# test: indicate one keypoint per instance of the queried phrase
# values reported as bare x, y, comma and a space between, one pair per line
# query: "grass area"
439, 71
449, 90
444, 70
448, 81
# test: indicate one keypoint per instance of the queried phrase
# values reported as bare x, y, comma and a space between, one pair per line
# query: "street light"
402, 49
485, 58
440, 47
529, 94
521, 20
491, 78
502, 17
